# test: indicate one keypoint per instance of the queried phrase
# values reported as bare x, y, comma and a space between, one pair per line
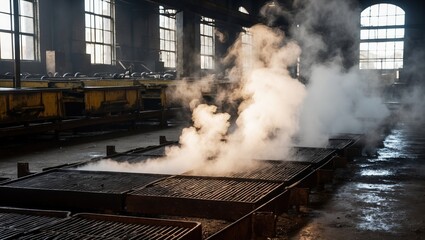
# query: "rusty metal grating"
270, 170
311, 155
85, 181
97, 226
156, 152
208, 188
74, 190
339, 144
280, 171
14, 222
205, 197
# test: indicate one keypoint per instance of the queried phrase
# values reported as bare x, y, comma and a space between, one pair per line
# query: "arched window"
382, 37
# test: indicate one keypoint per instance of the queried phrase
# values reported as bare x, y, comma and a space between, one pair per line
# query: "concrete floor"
45, 151
380, 197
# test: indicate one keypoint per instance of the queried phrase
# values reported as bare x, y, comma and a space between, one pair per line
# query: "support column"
188, 45
17, 78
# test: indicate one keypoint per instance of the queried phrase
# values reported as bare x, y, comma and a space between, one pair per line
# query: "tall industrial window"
167, 36
382, 37
246, 39
207, 43
28, 33
99, 15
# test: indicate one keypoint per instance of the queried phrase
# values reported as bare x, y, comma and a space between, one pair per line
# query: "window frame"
35, 42
96, 32
382, 37
207, 52
168, 40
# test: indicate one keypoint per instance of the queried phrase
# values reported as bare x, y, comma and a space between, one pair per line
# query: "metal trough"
207, 197
315, 156
268, 170
75, 190
16, 221
98, 226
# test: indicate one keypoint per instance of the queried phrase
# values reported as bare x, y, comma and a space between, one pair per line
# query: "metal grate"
74, 190
85, 181
268, 170
14, 222
350, 136
156, 152
206, 188
339, 144
96, 226
311, 155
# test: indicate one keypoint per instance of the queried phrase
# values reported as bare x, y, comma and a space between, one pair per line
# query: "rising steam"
272, 107
269, 102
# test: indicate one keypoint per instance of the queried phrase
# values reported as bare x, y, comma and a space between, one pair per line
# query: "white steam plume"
340, 99
268, 114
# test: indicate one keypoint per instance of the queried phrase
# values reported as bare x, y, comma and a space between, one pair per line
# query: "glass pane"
374, 21
87, 5
27, 47
92, 22
26, 8
399, 32
391, 9
88, 36
108, 37
391, 21
383, 9
88, 22
374, 10
97, 7
400, 20
364, 46
99, 36
107, 55
365, 21
389, 45
90, 50
27, 25
399, 45
391, 33
399, 54
382, 21
107, 24
5, 6
389, 53
6, 51
5, 21
98, 53
98, 21
382, 33
106, 9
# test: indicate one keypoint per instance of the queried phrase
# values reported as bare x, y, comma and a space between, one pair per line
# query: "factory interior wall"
61, 29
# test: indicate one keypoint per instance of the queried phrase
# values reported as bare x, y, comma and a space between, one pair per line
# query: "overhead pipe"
17, 78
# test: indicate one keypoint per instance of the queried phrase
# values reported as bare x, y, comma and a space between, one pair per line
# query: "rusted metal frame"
324, 174
97, 225
3, 180
158, 205
30, 220
218, 209
61, 199
64, 199
243, 228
